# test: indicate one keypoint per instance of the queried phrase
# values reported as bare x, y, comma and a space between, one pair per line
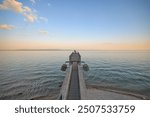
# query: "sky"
75, 24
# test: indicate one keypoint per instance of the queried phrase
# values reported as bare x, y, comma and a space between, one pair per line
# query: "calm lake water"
36, 74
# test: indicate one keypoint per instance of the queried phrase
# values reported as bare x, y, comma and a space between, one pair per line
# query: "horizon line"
68, 50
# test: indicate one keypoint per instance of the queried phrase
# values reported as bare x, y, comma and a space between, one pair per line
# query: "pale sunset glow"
75, 24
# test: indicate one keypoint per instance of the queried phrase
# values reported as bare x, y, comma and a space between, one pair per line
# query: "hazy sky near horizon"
75, 24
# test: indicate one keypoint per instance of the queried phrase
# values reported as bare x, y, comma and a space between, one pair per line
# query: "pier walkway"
74, 88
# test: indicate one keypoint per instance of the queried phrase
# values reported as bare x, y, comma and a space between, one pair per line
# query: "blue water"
37, 74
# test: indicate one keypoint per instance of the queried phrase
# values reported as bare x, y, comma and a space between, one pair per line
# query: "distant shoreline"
37, 50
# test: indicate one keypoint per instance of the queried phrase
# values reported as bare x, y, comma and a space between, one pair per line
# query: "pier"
73, 87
